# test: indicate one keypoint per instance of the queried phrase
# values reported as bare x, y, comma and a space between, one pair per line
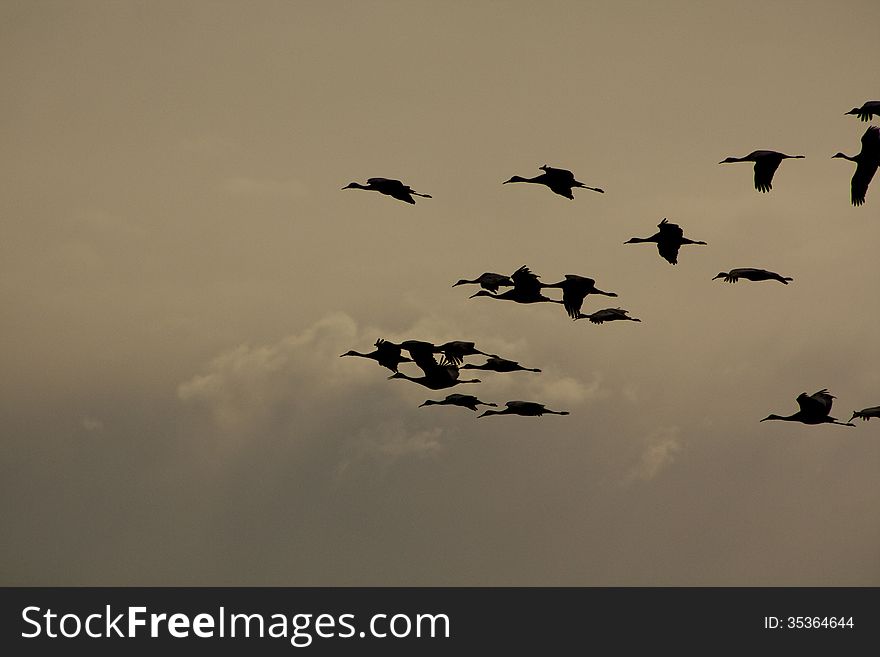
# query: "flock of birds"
525, 287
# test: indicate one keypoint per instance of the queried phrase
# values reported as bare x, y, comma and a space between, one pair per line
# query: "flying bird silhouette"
608, 315
751, 274
526, 289
866, 413
814, 409
527, 408
389, 187
387, 354
455, 399
866, 161
436, 375
574, 290
766, 163
453, 352
669, 239
867, 111
560, 181
488, 281
495, 364
443, 376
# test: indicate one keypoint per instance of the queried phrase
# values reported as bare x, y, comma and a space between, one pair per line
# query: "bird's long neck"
556, 412
639, 240
793, 418
844, 156
607, 294
515, 179
356, 353
490, 412
685, 240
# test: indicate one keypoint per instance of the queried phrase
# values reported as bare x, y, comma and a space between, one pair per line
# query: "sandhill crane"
455, 351
527, 408
560, 181
866, 161
866, 413
766, 163
608, 315
669, 239
389, 187
437, 376
387, 354
751, 274
455, 399
444, 376
867, 111
526, 289
814, 409
496, 364
574, 290
488, 281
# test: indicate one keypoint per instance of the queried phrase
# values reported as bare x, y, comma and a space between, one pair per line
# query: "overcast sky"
180, 271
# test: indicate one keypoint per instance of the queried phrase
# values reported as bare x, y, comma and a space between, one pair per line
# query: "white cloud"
389, 442
299, 390
658, 453
248, 386
91, 424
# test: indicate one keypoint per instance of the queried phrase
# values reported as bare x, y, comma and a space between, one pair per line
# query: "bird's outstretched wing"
764, 170
818, 404
867, 164
423, 355
523, 279
669, 250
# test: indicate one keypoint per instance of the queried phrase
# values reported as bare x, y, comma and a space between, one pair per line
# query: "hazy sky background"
179, 272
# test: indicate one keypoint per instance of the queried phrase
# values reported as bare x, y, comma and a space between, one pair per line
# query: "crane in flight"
559, 181
669, 240
526, 408
766, 163
389, 187
814, 409
751, 274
